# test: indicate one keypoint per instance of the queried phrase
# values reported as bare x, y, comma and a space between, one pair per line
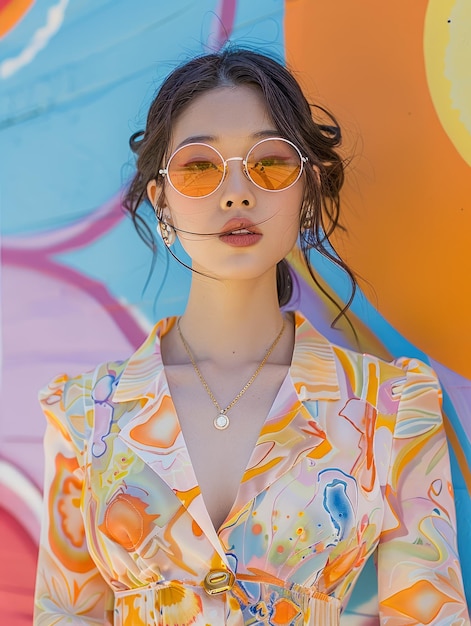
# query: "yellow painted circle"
447, 52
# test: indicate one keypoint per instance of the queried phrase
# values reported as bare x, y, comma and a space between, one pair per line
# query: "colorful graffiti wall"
76, 77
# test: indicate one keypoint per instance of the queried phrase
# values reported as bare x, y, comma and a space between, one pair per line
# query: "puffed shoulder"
420, 408
53, 390
66, 403
415, 366
416, 371
51, 398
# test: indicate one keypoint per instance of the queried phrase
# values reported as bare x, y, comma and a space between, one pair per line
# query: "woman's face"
231, 119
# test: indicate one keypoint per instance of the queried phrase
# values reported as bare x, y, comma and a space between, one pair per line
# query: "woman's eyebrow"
196, 139
213, 138
266, 133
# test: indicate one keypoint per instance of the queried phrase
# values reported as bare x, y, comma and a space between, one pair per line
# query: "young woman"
239, 468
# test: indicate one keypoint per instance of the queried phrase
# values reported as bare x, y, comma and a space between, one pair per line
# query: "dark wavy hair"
294, 118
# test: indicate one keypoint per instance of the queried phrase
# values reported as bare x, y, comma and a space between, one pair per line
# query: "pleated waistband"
248, 603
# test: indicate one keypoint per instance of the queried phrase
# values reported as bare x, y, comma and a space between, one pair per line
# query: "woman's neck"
234, 321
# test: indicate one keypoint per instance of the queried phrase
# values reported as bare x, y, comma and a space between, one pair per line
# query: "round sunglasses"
197, 170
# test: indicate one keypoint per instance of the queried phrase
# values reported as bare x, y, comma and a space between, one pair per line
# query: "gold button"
218, 581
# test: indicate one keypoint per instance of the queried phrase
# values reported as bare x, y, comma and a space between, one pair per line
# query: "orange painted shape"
321, 450
161, 431
66, 531
127, 521
177, 604
249, 474
196, 529
12, 12
338, 567
421, 602
407, 200
284, 611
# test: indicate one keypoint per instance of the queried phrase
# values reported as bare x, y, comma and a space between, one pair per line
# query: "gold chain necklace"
221, 421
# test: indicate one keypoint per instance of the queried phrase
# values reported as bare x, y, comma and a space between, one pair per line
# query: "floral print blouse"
352, 459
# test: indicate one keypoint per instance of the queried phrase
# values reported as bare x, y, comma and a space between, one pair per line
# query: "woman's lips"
241, 239
240, 233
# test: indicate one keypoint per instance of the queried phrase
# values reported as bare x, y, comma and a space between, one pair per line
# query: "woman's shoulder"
67, 388
67, 400
99, 382
407, 366
401, 372
361, 367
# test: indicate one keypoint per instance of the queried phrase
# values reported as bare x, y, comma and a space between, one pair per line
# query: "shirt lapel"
154, 433
292, 430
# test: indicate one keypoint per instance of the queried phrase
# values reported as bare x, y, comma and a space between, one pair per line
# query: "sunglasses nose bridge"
234, 159
244, 165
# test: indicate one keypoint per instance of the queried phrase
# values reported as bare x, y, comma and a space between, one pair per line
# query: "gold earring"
167, 233
164, 229
308, 220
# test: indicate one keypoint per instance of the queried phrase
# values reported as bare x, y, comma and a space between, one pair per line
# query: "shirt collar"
138, 379
314, 365
313, 369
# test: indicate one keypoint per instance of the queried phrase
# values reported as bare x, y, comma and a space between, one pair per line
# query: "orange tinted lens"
196, 170
274, 164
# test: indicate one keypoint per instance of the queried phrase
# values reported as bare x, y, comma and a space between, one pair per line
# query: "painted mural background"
76, 77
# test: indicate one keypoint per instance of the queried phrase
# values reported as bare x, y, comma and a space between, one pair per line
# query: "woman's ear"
152, 191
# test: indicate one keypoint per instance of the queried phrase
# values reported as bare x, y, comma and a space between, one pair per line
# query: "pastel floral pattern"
351, 461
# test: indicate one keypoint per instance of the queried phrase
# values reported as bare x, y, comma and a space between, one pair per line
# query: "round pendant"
221, 421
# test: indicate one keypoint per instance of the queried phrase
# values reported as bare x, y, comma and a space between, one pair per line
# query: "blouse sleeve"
68, 584
419, 573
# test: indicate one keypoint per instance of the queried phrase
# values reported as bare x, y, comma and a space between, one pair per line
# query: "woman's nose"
237, 189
